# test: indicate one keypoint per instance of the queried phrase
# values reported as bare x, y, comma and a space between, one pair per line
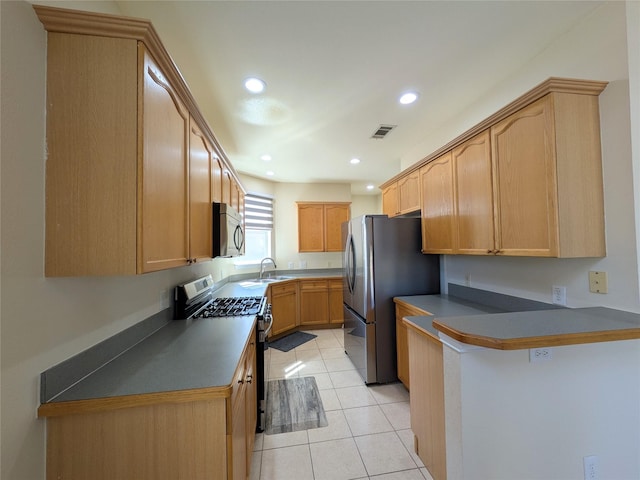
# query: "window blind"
258, 212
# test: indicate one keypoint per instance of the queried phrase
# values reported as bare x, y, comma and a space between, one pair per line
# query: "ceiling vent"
382, 131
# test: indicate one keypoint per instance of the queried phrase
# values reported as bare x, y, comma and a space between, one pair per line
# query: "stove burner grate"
232, 307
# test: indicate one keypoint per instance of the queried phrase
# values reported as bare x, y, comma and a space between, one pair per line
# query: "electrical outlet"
559, 295
290, 265
591, 467
541, 354
598, 282
303, 264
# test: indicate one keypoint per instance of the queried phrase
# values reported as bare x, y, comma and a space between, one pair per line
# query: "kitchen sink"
272, 279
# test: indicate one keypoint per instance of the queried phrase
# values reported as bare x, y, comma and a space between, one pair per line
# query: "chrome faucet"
266, 259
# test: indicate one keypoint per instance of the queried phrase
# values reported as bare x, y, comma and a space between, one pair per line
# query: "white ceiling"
335, 69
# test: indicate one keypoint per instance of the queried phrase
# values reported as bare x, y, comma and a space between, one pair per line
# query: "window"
258, 217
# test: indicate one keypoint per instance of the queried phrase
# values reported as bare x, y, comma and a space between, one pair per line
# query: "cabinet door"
91, 170
525, 182
336, 309
284, 307
390, 200
314, 302
226, 185
239, 437
409, 192
164, 201
427, 409
402, 345
311, 227
334, 216
200, 211
251, 401
437, 206
216, 179
474, 196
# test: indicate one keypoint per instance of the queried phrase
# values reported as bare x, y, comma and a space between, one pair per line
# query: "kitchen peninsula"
507, 412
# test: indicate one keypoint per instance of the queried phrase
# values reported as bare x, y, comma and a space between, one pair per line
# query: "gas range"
196, 300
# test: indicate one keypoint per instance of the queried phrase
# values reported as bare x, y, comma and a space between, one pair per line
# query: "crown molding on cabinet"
552, 84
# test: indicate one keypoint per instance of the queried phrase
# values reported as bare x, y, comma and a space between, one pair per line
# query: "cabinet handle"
241, 381
249, 378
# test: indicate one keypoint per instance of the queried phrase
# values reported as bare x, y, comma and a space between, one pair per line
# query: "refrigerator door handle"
350, 261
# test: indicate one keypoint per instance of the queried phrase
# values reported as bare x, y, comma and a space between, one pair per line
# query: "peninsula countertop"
533, 329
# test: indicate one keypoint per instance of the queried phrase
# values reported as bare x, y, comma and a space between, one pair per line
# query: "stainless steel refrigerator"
382, 260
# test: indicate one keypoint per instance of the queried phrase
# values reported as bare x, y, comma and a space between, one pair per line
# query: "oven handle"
268, 329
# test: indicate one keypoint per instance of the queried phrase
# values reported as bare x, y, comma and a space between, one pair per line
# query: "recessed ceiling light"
408, 98
254, 85
266, 158
354, 161
270, 173
369, 187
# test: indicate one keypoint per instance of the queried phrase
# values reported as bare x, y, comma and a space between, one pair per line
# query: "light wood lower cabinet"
336, 310
314, 302
402, 346
427, 407
199, 436
284, 306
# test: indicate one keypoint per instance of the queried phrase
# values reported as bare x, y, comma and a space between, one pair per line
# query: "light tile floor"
369, 433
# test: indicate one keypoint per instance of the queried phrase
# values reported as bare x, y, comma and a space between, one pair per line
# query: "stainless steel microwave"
228, 231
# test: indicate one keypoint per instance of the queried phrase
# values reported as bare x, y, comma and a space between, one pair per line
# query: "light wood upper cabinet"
200, 210
409, 192
402, 196
438, 222
548, 179
474, 196
390, 200
319, 226
527, 181
117, 177
91, 171
128, 186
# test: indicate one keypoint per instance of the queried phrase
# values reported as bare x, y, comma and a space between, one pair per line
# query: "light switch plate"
598, 282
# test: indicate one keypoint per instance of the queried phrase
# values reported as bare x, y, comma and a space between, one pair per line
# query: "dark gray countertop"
183, 355
547, 323
448, 306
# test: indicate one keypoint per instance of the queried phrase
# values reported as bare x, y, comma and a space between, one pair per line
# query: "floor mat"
294, 404
292, 341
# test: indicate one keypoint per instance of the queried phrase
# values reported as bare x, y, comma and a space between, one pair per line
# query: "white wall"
517, 419
594, 49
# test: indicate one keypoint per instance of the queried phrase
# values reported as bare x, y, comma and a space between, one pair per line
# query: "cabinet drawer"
313, 285
283, 288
